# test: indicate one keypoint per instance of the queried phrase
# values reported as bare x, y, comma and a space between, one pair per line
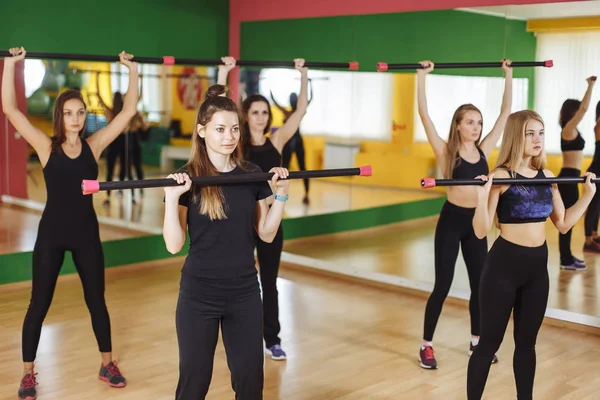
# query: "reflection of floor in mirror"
18, 229
369, 352
405, 250
325, 197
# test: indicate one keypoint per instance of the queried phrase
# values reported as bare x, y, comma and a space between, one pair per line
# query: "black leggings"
592, 215
48, 258
295, 145
197, 321
117, 150
570, 195
514, 278
269, 257
135, 147
455, 229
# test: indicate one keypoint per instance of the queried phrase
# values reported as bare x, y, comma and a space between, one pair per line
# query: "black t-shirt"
220, 261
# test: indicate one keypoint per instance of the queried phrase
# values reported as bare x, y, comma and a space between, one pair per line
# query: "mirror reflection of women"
295, 144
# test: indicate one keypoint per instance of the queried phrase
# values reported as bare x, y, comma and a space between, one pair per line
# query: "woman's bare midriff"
462, 196
572, 159
527, 235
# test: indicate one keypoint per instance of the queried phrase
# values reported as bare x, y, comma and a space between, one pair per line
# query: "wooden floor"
344, 341
406, 250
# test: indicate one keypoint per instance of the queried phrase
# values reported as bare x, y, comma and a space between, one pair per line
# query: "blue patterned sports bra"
522, 204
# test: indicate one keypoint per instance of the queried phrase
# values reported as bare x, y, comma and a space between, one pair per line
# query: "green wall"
440, 36
153, 28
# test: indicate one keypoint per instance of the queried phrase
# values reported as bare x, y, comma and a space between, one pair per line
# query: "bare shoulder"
500, 173
548, 173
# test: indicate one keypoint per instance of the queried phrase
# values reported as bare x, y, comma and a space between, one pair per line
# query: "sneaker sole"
270, 354
592, 251
120, 385
425, 366
583, 268
27, 398
278, 358
267, 352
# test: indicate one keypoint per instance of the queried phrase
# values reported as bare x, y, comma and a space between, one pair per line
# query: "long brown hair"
513, 142
118, 103
454, 139
199, 164
58, 120
246, 104
567, 111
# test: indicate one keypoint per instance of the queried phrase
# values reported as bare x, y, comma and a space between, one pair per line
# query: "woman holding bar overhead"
69, 220
515, 274
266, 153
464, 156
219, 286
592, 215
572, 145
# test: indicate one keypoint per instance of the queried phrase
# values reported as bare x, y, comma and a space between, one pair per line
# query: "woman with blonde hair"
463, 157
515, 274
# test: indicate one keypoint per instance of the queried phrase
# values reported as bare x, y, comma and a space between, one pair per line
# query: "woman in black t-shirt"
219, 283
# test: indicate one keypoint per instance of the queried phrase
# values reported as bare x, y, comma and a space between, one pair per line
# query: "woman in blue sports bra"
515, 274
571, 145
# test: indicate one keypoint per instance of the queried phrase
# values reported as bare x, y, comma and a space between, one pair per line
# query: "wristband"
281, 198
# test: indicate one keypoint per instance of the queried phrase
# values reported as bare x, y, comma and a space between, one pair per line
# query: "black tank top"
67, 208
576, 144
265, 156
466, 170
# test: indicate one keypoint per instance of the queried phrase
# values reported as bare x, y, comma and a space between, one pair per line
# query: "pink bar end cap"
366, 170
90, 187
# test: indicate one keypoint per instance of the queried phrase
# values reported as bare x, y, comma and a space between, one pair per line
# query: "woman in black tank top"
572, 145
592, 215
69, 220
124, 147
454, 230
266, 153
296, 143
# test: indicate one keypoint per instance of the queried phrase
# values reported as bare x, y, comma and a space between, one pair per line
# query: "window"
35, 70
349, 105
151, 87
576, 57
446, 93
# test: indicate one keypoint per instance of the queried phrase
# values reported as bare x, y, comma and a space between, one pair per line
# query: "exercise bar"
92, 186
427, 183
171, 60
382, 67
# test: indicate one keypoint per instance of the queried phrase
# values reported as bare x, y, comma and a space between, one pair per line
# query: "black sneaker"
27, 389
112, 375
472, 349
